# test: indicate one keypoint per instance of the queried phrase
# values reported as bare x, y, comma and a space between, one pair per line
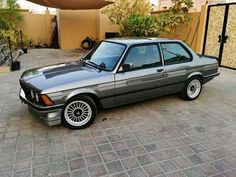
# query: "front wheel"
79, 112
192, 88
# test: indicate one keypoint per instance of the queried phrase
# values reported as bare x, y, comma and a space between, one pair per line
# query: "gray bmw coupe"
115, 72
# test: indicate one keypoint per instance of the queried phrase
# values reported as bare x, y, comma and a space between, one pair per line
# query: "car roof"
132, 41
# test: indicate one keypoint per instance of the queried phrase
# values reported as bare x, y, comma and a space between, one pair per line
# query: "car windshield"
105, 56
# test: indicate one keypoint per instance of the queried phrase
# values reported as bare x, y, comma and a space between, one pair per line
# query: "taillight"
46, 100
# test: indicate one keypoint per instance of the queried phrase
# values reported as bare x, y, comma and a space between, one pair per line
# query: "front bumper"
49, 116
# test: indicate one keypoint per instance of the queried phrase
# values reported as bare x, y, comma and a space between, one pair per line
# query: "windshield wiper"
93, 64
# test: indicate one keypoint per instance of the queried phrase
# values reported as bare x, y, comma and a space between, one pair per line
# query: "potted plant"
25, 44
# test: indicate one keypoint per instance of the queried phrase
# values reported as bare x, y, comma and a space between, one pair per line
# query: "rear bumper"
50, 116
210, 77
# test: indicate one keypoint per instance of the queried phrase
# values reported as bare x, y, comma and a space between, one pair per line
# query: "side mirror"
126, 67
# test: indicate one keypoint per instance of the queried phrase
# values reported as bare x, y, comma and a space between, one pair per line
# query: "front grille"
31, 95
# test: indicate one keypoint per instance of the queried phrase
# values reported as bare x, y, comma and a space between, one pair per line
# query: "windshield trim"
110, 70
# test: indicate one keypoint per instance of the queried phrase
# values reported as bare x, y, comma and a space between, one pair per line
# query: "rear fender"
195, 74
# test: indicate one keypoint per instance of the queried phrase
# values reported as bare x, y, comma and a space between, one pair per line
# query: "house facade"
197, 4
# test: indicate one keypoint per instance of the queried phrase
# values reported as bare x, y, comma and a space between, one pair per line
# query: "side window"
174, 53
145, 56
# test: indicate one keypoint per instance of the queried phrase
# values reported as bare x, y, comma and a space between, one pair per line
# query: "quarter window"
175, 53
144, 56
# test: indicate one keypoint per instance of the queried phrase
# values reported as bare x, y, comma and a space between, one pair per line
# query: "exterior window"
106, 55
174, 53
145, 56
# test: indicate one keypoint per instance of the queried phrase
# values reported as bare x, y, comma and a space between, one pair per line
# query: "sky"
37, 8
32, 6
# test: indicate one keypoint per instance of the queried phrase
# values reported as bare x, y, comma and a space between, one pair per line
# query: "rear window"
175, 53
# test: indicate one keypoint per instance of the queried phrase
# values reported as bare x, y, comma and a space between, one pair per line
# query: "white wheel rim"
194, 88
78, 113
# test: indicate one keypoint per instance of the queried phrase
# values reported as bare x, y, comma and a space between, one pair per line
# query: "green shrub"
120, 11
8, 34
4, 25
133, 17
142, 26
9, 11
176, 15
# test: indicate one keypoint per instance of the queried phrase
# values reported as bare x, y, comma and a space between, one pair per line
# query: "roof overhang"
73, 4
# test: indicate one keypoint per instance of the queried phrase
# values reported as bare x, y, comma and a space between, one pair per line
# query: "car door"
145, 79
177, 63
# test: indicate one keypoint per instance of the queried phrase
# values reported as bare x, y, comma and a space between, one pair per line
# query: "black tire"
87, 44
184, 93
79, 99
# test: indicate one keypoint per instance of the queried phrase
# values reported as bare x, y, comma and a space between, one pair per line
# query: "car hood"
61, 76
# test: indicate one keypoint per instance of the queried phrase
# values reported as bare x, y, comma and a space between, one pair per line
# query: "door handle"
160, 70
219, 39
222, 38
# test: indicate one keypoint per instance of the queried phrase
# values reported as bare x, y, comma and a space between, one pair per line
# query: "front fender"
81, 91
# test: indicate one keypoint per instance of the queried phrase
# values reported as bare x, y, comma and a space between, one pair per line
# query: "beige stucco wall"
201, 31
74, 26
36, 26
105, 26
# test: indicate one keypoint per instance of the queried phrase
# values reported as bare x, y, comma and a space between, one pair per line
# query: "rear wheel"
79, 112
192, 88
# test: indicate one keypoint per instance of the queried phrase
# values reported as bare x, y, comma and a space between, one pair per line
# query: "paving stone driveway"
161, 137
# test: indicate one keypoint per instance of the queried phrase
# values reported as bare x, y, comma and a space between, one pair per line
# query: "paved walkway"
161, 137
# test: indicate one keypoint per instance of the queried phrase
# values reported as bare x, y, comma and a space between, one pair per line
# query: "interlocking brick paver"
159, 156
176, 174
130, 163
151, 147
80, 173
62, 175
231, 161
171, 153
119, 145
41, 171
58, 167
122, 174
152, 170
93, 160
109, 156
181, 162
124, 153
207, 170
39, 161
138, 172
137, 150
221, 166
195, 159
164, 137
101, 140
74, 155
24, 173
104, 148
77, 164
192, 172
22, 164
90, 150
96, 171
114, 167
144, 159
221, 152
168, 166
231, 173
